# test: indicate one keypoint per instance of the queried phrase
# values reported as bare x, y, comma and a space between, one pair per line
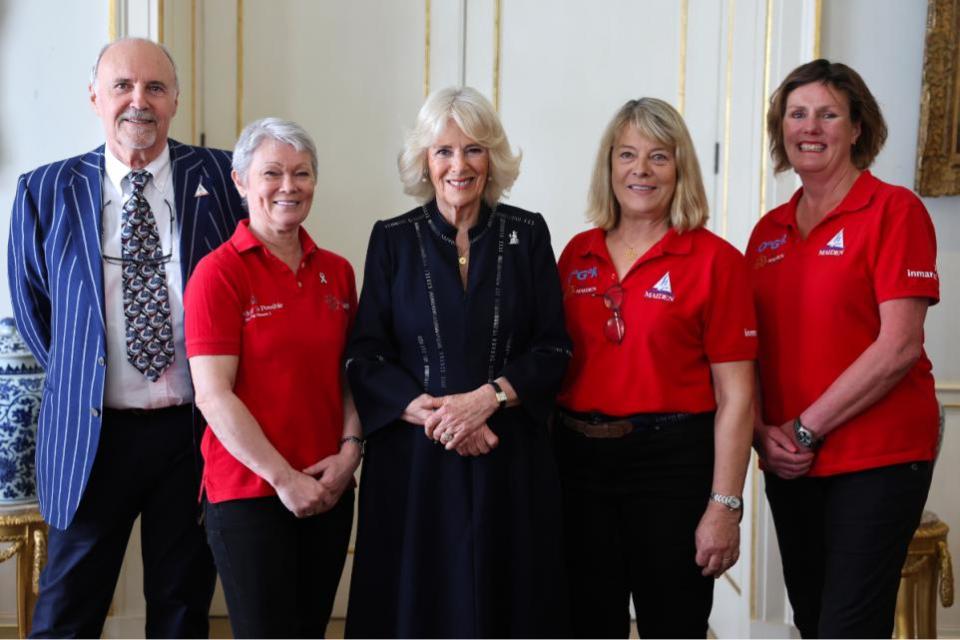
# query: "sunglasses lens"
613, 298
614, 329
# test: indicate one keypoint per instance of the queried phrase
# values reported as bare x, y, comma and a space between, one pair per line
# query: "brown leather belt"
612, 429
601, 426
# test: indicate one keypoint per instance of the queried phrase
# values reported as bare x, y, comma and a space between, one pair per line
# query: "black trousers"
631, 508
279, 573
145, 466
843, 540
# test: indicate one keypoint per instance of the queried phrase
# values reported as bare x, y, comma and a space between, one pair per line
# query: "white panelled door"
354, 74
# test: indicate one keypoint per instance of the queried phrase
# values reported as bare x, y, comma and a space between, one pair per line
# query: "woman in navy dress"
457, 353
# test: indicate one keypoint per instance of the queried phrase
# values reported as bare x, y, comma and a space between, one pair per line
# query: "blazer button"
94, 412
101, 361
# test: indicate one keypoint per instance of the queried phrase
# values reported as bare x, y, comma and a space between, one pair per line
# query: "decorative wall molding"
426, 48
817, 27
682, 75
239, 67
112, 20
496, 54
948, 393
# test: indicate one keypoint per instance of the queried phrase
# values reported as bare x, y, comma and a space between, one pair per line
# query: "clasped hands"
319, 487
458, 421
781, 452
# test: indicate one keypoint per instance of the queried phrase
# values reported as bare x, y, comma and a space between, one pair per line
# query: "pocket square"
201, 191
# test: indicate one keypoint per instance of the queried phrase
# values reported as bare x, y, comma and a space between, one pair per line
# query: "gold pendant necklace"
462, 259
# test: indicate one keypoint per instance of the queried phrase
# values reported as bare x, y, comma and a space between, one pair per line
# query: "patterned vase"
21, 385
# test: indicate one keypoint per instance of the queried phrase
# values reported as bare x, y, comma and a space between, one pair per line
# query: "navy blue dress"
451, 546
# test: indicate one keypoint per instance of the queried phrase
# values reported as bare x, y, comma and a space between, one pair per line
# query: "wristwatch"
357, 441
734, 503
501, 394
807, 439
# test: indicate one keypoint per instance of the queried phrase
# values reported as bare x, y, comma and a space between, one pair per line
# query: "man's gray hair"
284, 131
103, 50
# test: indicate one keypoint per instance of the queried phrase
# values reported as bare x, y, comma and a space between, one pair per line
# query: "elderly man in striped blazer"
101, 246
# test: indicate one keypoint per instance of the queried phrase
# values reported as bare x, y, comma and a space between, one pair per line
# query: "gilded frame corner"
938, 145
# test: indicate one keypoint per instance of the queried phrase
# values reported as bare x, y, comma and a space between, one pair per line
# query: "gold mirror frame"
938, 148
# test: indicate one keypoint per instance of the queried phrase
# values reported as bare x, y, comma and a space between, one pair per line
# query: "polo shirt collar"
674, 243
671, 243
859, 196
596, 244
117, 172
243, 239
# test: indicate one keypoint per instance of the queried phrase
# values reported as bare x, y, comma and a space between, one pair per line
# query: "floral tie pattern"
146, 304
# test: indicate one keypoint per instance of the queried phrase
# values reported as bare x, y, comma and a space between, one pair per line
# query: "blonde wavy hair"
657, 120
478, 120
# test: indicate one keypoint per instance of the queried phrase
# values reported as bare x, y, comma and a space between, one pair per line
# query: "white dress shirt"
125, 386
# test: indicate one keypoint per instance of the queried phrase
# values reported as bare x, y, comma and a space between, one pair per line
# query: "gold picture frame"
938, 148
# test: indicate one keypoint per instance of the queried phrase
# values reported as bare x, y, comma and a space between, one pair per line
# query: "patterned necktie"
145, 298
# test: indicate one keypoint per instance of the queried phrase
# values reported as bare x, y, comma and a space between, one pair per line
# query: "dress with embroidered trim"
447, 545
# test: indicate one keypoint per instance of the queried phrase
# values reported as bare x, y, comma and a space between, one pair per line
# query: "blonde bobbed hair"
657, 120
477, 118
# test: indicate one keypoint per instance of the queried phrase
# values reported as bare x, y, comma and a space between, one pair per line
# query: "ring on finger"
446, 437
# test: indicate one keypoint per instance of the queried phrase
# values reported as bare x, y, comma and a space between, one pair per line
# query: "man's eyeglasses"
614, 328
164, 259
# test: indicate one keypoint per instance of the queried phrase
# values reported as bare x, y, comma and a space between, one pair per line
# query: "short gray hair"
477, 118
96, 65
285, 131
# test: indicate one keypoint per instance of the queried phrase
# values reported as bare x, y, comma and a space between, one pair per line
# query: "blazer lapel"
193, 192
82, 204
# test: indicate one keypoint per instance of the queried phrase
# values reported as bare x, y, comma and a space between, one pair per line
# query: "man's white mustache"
136, 114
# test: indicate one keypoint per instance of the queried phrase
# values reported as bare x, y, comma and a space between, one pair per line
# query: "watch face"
730, 502
804, 437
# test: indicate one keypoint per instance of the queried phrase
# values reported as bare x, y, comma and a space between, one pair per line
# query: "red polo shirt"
686, 304
818, 309
289, 331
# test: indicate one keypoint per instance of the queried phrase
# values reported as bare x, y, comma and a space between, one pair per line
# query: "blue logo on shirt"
772, 245
582, 274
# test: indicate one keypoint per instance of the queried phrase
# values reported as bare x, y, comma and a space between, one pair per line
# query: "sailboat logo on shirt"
662, 290
835, 246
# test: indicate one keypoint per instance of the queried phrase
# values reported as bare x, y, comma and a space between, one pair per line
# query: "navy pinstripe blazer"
56, 282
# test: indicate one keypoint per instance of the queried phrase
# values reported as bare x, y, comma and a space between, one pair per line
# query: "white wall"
889, 55
46, 50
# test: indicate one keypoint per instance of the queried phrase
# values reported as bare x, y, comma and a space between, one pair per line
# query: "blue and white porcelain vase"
21, 386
